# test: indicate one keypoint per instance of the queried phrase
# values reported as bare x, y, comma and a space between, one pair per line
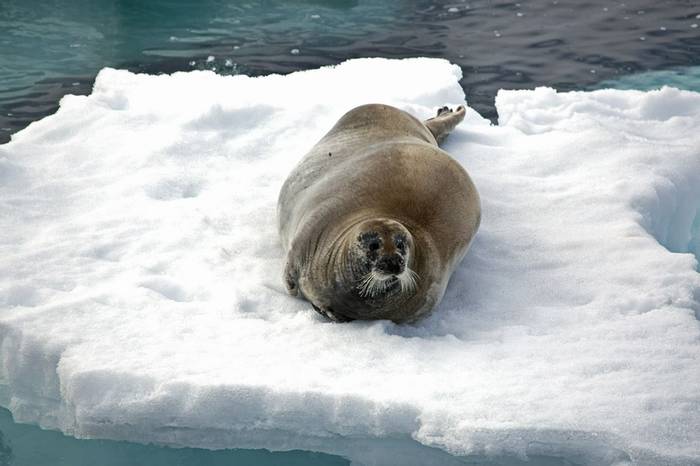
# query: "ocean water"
687, 78
52, 48
28, 445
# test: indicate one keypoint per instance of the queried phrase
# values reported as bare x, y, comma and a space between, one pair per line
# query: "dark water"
52, 47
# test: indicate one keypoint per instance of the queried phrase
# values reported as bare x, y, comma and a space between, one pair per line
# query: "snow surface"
141, 296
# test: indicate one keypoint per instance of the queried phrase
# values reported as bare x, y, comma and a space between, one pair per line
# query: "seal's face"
380, 259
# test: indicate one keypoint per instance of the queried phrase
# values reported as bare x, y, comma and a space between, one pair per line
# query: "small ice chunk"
211, 58
294, 51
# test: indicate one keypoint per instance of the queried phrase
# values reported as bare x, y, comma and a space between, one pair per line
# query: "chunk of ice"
141, 296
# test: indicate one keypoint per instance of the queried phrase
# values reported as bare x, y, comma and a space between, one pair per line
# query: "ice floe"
141, 298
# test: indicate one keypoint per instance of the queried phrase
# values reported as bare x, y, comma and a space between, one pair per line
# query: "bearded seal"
375, 218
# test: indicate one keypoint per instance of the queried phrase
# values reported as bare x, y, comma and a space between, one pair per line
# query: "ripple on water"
53, 49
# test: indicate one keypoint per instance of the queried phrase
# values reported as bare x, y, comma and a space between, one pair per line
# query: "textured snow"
141, 298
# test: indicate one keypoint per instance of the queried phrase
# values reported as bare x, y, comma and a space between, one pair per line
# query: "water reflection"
25, 445
5, 452
53, 47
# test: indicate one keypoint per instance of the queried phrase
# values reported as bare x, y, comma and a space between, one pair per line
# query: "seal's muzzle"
391, 264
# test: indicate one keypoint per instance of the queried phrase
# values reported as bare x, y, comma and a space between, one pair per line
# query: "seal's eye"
370, 240
400, 243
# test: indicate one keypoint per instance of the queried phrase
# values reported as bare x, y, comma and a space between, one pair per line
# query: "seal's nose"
392, 264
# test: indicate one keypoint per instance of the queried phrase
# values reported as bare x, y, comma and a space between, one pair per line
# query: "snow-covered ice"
141, 298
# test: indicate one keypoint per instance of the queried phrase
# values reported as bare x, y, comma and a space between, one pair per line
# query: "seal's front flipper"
329, 314
445, 121
290, 279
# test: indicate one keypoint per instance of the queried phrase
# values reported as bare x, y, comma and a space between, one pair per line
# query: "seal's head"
379, 259
366, 271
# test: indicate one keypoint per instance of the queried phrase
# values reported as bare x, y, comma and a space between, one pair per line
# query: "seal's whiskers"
408, 280
373, 284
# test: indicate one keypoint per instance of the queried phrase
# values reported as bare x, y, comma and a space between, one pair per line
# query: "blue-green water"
27, 445
52, 47
687, 78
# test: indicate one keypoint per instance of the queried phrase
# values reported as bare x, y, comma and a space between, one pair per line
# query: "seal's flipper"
445, 121
290, 279
329, 314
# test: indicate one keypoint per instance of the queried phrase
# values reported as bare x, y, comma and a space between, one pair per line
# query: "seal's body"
376, 217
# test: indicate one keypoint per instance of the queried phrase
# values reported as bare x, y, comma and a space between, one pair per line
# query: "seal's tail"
445, 121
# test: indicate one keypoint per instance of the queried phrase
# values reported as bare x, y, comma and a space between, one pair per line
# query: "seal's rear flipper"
445, 121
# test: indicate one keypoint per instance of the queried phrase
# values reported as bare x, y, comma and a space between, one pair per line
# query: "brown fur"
377, 168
